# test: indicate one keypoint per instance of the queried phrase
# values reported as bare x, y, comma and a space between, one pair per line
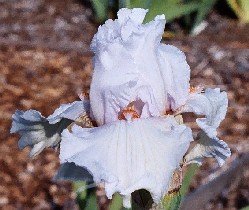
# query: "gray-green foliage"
173, 202
117, 203
172, 9
86, 199
245, 208
101, 9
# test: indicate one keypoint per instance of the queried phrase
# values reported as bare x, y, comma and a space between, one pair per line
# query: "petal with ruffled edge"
212, 104
208, 147
70, 111
38, 132
176, 75
127, 156
119, 97
125, 50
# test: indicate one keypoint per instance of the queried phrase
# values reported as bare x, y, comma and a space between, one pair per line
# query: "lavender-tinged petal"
176, 75
219, 102
126, 49
122, 95
70, 111
213, 104
207, 147
36, 131
128, 156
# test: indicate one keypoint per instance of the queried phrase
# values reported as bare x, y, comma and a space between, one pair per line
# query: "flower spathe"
136, 81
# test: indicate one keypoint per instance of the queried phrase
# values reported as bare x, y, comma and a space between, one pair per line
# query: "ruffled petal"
38, 132
119, 97
176, 75
208, 147
219, 103
125, 51
128, 156
70, 111
213, 104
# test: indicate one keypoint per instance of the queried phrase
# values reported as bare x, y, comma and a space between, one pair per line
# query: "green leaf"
188, 179
91, 202
203, 9
86, 199
101, 9
245, 208
117, 203
171, 11
123, 3
78, 184
140, 4
244, 4
172, 202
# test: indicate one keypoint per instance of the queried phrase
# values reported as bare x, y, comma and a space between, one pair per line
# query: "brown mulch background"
45, 61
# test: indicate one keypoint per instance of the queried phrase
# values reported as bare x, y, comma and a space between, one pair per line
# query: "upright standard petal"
219, 102
39, 132
176, 75
133, 92
126, 51
129, 155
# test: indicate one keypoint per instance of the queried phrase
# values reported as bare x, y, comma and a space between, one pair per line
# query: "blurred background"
45, 61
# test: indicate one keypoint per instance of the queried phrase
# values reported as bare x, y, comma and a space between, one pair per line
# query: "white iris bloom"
137, 82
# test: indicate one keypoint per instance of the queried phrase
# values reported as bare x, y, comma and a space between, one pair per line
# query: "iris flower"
129, 133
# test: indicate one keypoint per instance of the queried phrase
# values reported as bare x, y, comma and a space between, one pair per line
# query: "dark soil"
45, 61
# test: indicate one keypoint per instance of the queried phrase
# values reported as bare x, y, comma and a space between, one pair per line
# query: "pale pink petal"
176, 75
119, 97
70, 111
213, 104
125, 49
127, 156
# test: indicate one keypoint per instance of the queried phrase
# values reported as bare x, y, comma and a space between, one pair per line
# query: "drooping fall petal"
39, 132
129, 155
213, 104
207, 147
